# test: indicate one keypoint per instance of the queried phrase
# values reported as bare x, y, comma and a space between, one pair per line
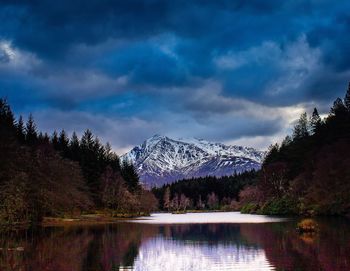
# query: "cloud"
234, 71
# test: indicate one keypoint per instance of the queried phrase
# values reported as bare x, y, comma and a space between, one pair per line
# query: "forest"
58, 175
307, 174
205, 193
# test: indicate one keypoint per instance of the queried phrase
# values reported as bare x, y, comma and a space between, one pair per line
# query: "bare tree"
166, 198
200, 203
212, 201
148, 201
184, 202
174, 204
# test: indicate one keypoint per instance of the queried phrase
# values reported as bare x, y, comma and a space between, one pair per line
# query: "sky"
235, 71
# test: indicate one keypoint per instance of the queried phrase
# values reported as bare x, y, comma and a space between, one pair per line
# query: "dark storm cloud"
50, 28
189, 61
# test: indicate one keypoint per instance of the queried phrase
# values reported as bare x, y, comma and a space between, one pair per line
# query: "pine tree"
98, 149
46, 138
315, 121
87, 140
54, 140
31, 131
43, 138
7, 120
272, 154
7, 125
338, 108
108, 151
130, 176
347, 98
111, 157
20, 130
63, 142
301, 128
89, 163
286, 141
74, 147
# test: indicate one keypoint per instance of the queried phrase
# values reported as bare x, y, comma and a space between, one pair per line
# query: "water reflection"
166, 254
128, 246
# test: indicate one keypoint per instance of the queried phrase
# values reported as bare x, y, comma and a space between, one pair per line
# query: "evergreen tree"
54, 140
111, 157
63, 142
74, 147
87, 140
20, 130
338, 108
272, 154
130, 176
99, 151
108, 151
301, 128
90, 164
286, 141
315, 121
347, 98
45, 138
7, 120
8, 142
31, 131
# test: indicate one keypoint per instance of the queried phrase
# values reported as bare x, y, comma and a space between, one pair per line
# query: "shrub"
249, 208
279, 206
307, 226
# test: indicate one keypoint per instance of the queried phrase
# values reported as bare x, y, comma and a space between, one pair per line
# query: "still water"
222, 241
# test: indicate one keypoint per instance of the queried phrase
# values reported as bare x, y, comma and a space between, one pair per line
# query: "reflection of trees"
44, 250
105, 247
114, 246
212, 234
110, 247
287, 250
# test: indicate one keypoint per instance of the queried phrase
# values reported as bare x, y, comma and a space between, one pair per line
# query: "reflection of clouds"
204, 218
165, 254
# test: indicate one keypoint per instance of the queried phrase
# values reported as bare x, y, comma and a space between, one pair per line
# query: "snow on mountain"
160, 159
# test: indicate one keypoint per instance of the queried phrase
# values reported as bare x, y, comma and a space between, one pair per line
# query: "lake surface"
207, 241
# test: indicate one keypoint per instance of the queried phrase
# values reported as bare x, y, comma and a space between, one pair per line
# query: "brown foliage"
250, 194
274, 182
329, 188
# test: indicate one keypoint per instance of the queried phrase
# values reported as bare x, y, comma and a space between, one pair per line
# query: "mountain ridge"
161, 159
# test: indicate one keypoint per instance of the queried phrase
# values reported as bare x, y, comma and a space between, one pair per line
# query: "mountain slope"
161, 159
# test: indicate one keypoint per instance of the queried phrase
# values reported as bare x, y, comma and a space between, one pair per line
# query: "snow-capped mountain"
161, 159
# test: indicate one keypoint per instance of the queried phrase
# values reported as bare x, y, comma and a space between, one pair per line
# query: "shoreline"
104, 218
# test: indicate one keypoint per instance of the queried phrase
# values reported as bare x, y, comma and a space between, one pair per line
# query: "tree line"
52, 175
204, 193
309, 172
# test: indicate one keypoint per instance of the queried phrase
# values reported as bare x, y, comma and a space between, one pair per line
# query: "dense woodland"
206, 193
42, 175
309, 172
